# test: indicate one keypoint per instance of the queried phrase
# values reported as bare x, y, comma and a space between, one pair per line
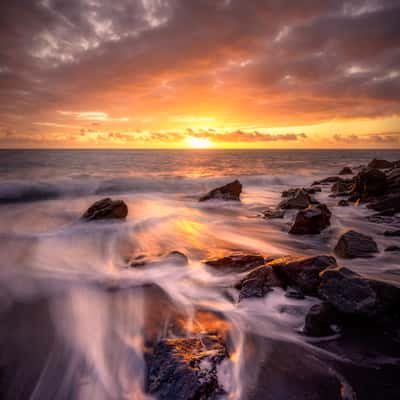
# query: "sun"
198, 143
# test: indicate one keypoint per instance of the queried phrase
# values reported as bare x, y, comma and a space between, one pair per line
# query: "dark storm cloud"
333, 58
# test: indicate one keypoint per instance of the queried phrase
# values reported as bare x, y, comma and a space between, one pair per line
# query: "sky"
200, 74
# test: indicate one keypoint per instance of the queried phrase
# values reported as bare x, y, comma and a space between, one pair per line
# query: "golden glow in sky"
198, 143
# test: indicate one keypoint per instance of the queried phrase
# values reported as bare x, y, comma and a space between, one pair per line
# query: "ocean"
76, 319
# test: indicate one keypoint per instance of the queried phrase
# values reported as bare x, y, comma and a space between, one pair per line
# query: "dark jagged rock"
311, 220
343, 203
294, 293
302, 272
292, 192
353, 244
273, 214
392, 233
228, 192
174, 257
186, 368
393, 248
350, 293
326, 181
106, 209
300, 200
393, 179
345, 171
342, 186
236, 262
321, 320
369, 183
258, 283
388, 202
380, 164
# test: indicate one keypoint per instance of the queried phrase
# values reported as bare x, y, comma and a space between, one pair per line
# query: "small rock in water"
273, 214
321, 320
228, 192
353, 244
294, 293
302, 272
258, 283
236, 262
392, 233
380, 164
300, 200
345, 171
186, 368
106, 209
312, 220
174, 257
343, 203
392, 248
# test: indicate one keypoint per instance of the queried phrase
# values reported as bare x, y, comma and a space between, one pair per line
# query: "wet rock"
342, 186
321, 320
302, 272
326, 181
380, 164
258, 283
392, 233
300, 200
345, 171
311, 220
294, 293
393, 248
174, 257
292, 192
353, 244
228, 192
369, 183
177, 258
343, 203
106, 209
389, 202
273, 214
350, 293
236, 262
393, 179
186, 368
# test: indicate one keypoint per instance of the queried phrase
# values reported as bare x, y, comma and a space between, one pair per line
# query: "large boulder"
342, 186
312, 220
350, 293
236, 262
258, 283
380, 164
229, 192
186, 368
299, 200
321, 320
393, 179
302, 272
345, 171
106, 209
353, 244
388, 203
369, 183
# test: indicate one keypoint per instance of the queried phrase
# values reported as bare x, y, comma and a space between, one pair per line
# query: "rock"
228, 192
392, 248
369, 183
258, 283
393, 179
236, 262
292, 192
380, 164
388, 202
345, 171
343, 203
350, 293
186, 368
300, 200
273, 214
342, 186
353, 244
294, 293
312, 220
174, 257
325, 181
106, 209
321, 320
392, 233
302, 272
